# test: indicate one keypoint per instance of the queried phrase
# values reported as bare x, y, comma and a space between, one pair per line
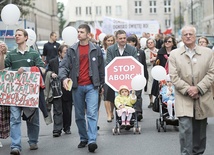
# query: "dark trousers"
192, 135
57, 115
67, 114
139, 102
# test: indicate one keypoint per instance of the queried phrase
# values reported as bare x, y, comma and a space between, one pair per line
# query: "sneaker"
127, 123
33, 147
82, 144
68, 132
150, 105
14, 152
123, 123
56, 134
92, 147
170, 117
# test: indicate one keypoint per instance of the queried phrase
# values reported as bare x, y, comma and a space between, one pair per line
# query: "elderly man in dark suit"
63, 109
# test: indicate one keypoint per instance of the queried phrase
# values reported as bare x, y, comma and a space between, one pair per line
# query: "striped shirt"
14, 59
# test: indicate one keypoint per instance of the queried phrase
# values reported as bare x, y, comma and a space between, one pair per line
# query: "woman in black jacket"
162, 57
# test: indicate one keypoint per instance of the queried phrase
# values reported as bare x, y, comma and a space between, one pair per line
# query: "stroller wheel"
139, 130
118, 131
113, 131
158, 126
156, 123
134, 130
164, 126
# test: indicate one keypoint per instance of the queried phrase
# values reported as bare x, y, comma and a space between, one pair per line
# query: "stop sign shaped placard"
121, 71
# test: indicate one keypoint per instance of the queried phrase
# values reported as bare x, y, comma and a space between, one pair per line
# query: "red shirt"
84, 78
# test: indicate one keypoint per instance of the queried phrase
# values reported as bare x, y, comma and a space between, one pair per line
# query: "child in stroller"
125, 113
167, 101
168, 96
124, 103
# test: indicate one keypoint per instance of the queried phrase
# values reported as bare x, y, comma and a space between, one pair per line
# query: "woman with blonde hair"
109, 94
151, 55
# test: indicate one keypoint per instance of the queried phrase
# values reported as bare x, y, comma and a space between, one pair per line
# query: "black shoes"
82, 144
15, 152
92, 147
33, 147
67, 132
56, 134
150, 105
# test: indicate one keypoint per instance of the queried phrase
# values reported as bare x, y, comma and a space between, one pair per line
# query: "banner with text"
19, 89
110, 25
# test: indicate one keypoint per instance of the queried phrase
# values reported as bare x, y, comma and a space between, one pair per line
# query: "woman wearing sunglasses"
162, 59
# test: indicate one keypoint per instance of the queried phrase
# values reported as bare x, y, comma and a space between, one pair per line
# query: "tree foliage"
179, 21
23, 5
62, 21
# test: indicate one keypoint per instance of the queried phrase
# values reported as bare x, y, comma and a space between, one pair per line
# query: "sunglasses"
168, 41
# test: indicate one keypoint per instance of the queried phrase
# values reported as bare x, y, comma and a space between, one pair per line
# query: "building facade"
163, 11
44, 15
197, 12
201, 14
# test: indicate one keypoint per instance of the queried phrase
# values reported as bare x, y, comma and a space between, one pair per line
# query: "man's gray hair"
188, 26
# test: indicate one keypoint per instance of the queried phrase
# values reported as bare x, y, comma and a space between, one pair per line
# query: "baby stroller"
164, 119
133, 124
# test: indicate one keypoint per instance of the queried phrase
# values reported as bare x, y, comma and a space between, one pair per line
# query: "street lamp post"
180, 14
192, 12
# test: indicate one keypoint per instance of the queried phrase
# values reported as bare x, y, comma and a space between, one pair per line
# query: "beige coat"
198, 72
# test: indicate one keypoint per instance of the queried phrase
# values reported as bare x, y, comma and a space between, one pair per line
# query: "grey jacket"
113, 51
69, 66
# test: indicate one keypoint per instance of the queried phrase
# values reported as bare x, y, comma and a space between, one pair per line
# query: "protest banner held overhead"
110, 25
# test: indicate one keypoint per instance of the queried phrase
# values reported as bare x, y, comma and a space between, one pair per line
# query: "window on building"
168, 22
167, 6
152, 6
78, 11
118, 10
138, 7
88, 10
98, 10
108, 10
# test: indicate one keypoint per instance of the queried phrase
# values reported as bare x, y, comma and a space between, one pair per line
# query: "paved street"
149, 142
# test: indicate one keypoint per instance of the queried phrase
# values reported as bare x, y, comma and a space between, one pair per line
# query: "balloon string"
5, 33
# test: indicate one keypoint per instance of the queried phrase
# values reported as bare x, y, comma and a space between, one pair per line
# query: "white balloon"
101, 36
138, 82
158, 73
10, 14
69, 35
143, 42
31, 37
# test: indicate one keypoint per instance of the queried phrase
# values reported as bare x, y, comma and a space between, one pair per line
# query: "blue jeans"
15, 128
86, 101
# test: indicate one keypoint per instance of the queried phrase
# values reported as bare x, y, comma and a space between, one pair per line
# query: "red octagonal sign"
121, 71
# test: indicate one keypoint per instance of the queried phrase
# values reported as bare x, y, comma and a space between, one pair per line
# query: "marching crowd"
190, 70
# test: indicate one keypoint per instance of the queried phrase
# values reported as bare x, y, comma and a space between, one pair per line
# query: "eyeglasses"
168, 41
201, 42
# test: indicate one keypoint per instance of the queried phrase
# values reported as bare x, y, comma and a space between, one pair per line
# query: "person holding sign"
84, 65
4, 110
27, 58
121, 48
